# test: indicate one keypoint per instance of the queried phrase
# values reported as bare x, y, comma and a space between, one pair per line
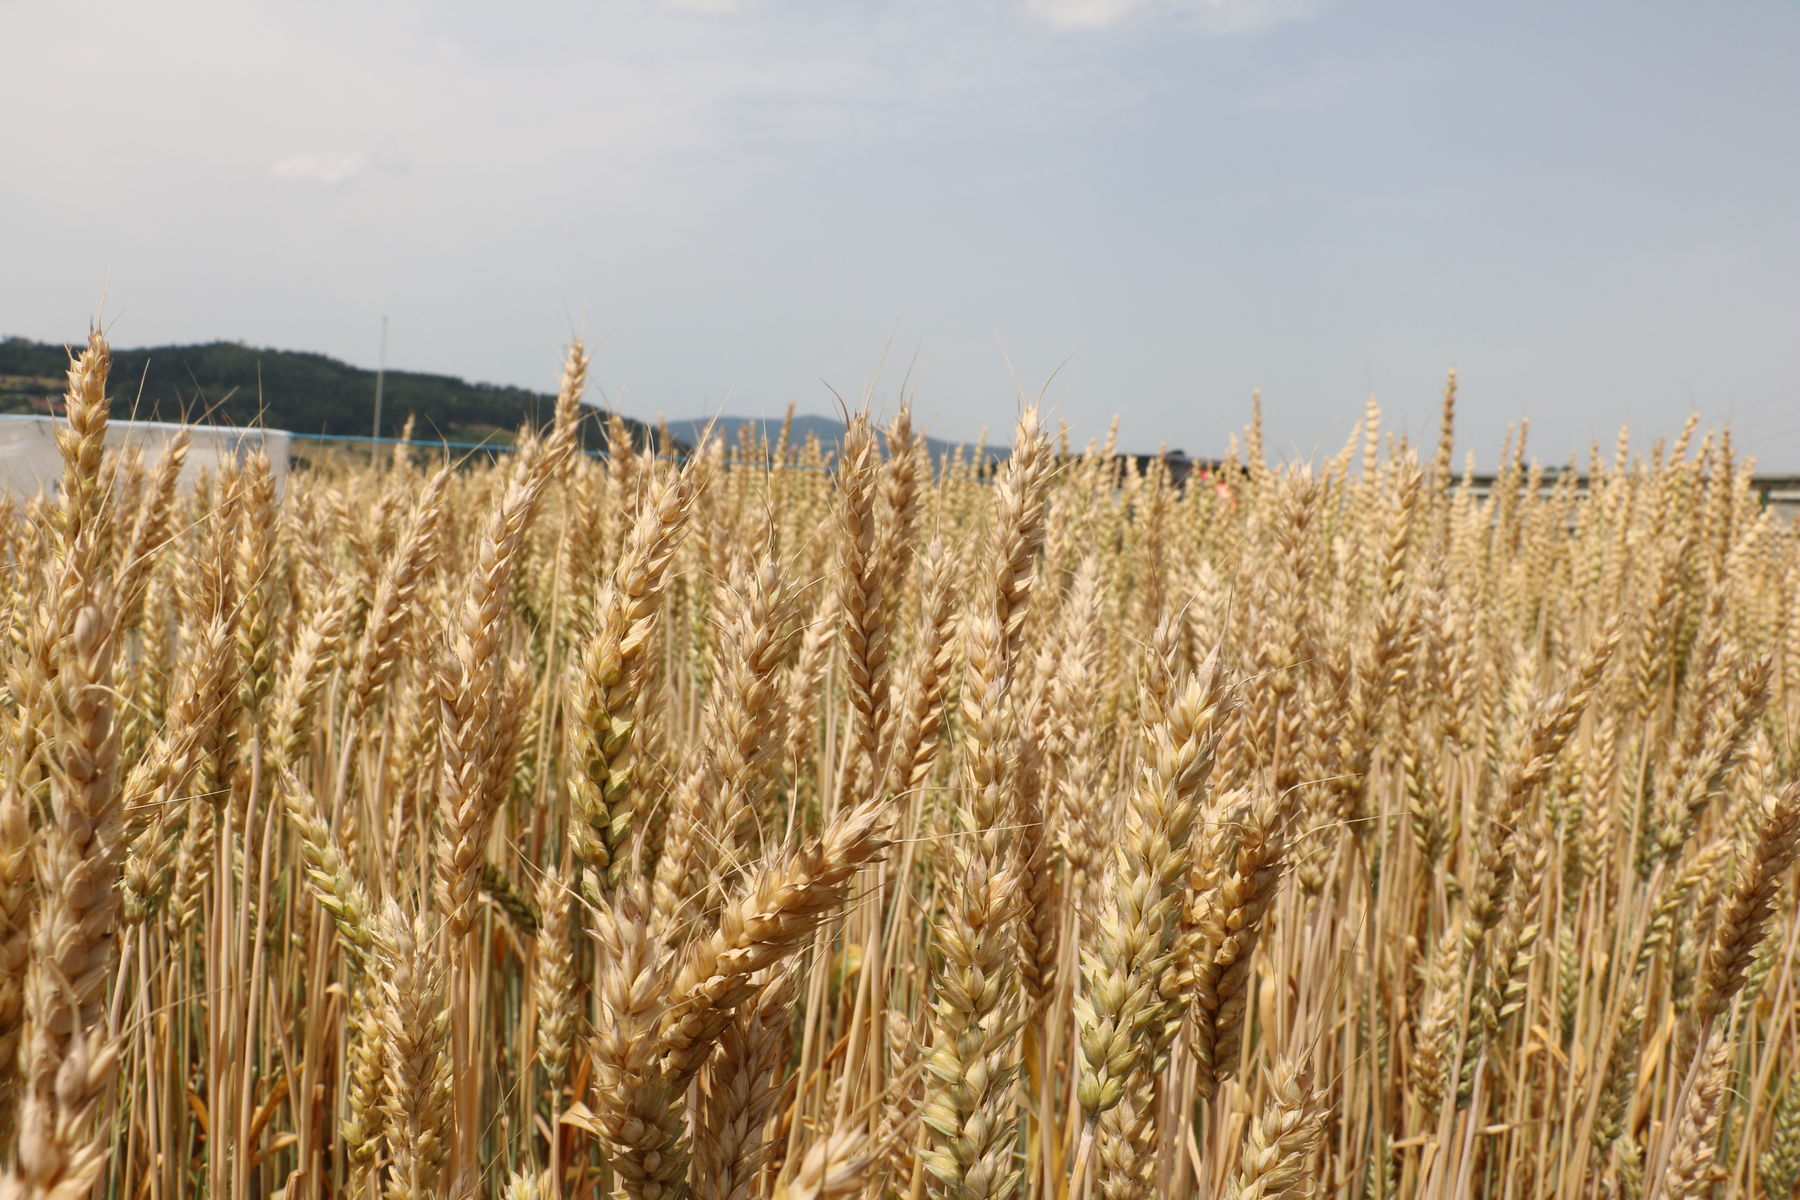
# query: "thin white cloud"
1083, 14
707, 6
322, 169
1219, 15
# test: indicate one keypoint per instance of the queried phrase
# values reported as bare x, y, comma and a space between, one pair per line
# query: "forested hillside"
230, 384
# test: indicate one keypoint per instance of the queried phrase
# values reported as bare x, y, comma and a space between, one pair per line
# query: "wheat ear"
642, 1114
604, 690
414, 1025
1745, 921
862, 604
771, 917
1688, 1173
738, 1093
1275, 1161
834, 1167
67, 1057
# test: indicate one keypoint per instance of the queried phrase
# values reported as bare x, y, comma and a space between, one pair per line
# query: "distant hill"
225, 383
829, 431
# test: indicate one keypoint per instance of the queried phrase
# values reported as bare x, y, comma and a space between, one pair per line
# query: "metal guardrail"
509, 448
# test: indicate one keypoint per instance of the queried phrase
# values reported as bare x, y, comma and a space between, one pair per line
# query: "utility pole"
380, 370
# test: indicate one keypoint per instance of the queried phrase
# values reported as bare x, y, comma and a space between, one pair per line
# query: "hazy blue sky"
1591, 210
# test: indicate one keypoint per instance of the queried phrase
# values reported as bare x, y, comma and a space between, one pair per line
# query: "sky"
1143, 207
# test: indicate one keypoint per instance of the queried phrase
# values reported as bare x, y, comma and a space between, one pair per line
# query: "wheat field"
768, 822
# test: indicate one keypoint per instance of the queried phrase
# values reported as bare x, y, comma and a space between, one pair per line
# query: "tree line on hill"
224, 383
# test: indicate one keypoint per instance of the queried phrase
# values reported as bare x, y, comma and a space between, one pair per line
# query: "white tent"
30, 462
